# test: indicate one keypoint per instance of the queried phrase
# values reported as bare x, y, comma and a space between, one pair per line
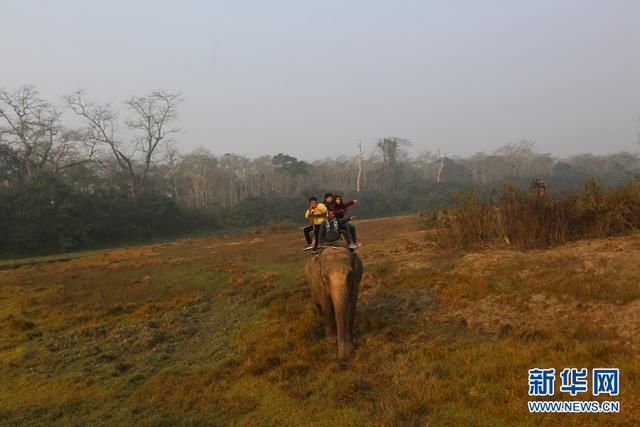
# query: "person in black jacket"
330, 232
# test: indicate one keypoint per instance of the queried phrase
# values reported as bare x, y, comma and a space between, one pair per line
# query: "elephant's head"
334, 277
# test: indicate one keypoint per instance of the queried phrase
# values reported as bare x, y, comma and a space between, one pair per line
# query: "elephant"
334, 276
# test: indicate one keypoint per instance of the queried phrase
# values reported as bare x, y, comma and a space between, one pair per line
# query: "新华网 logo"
574, 382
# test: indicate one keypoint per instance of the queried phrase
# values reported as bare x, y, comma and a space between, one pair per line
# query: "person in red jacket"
339, 208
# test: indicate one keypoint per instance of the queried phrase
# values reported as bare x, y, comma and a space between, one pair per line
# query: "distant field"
220, 330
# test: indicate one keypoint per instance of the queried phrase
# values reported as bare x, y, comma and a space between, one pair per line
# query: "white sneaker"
353, 246
307, 248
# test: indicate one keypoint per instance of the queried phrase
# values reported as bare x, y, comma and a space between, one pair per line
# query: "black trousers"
315, 229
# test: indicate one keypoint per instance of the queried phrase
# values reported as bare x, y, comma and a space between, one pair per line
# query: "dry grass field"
220, 330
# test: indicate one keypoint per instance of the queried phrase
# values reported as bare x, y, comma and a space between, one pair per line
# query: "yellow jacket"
317, 215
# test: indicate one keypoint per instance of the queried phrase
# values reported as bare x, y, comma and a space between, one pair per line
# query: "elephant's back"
335, 255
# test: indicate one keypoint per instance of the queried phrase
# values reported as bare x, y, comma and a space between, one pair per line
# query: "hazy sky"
310, 78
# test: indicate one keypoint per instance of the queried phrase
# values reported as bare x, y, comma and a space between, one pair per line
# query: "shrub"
525, 221
44, 215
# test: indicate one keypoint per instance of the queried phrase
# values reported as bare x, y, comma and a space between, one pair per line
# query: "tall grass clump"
526, 220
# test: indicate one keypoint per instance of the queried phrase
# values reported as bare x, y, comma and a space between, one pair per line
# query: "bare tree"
173, 160
148, 124
519, 156
392, 149
440, 167
360, 160
424, 165
33, 129
10, 166
201, 179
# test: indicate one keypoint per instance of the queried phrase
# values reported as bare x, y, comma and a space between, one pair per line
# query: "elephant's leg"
350, 323
327, 314
318, 310
317, 305
354, 285
351, 310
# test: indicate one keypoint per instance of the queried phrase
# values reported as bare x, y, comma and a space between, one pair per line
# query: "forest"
79, 174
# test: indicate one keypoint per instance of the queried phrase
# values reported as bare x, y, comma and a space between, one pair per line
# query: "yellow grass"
220, 330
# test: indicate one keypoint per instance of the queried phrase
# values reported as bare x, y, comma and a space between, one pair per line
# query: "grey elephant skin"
334, 277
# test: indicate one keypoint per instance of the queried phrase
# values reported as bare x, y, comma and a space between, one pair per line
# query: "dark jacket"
341, 209
329, 231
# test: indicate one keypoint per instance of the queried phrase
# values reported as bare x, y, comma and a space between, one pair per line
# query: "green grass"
222, 331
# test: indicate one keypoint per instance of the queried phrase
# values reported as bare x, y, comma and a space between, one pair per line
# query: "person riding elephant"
331, 230
315, 214
340, 209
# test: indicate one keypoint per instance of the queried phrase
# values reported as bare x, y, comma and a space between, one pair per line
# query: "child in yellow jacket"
315, 214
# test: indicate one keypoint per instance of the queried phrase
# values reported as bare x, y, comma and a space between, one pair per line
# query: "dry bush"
526, 221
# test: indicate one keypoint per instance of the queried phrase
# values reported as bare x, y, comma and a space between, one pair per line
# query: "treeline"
119, 176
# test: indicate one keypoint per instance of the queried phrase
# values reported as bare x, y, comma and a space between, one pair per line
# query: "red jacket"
340, 209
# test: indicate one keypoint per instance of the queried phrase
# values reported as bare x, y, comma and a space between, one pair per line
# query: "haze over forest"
123, 121
311, 79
